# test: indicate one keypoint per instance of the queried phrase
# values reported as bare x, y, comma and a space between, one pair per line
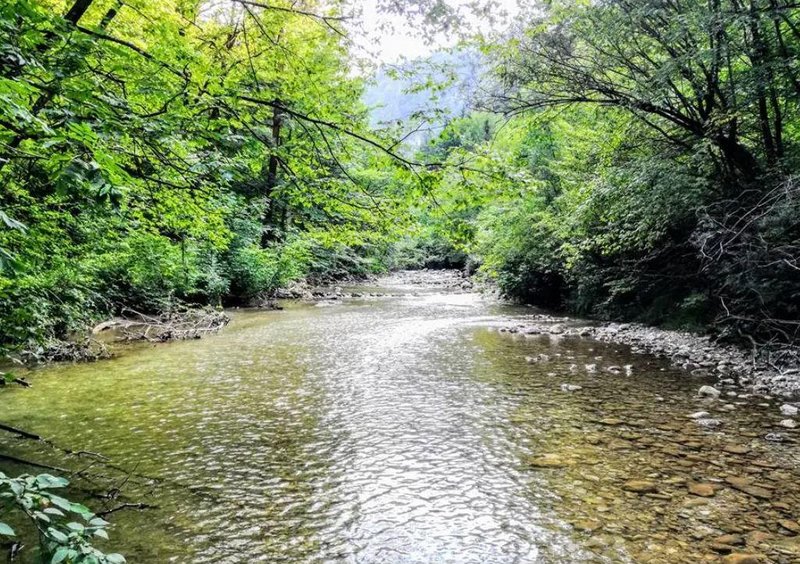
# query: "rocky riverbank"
699, 355
394, 284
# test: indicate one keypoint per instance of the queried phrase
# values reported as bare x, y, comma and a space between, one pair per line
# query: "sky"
390, 38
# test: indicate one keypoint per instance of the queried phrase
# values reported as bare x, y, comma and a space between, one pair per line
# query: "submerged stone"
709, 392
792, 526
729, 539
736, 449
789, 410
640, 486
549, 461
587, 525
758, 537
702, 490
708, 422
740, 558
744, 485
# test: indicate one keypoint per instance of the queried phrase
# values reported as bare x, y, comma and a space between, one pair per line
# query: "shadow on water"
408, 429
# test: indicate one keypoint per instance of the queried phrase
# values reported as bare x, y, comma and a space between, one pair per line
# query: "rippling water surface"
409, 429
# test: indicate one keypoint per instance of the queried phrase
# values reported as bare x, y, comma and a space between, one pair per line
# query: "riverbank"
699, 355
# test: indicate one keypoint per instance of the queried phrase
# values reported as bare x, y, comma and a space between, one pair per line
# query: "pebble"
789, 525
736, 449
740, 558
744, 485
789, 410
709, 392
698, 354
788, 423
708, 422
570, 387
640, 486
702, 490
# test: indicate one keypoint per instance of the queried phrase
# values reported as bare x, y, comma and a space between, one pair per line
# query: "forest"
624, 160
627, 160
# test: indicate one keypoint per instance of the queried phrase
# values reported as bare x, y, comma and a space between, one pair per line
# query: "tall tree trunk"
739, 159
759, 58
269, 228
77, 10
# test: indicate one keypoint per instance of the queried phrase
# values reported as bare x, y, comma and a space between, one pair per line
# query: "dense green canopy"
631, 158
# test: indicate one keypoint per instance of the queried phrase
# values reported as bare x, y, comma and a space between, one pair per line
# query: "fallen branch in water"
173, 325
136, 506
20, 432
88, 350
25, 462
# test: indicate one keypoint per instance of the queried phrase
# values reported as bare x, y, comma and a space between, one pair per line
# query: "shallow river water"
411, 429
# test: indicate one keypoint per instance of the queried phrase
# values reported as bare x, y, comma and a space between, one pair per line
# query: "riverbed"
404, 426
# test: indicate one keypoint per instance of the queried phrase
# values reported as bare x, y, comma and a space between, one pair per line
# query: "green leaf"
98, 522
60, 555
11, 223
57, 535
6, 530
60, 502
46, 481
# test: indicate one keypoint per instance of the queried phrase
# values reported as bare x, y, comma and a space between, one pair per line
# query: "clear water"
405, 429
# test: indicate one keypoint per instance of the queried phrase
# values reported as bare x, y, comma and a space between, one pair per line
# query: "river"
411, 429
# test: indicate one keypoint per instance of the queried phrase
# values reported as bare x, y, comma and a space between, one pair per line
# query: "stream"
408, 428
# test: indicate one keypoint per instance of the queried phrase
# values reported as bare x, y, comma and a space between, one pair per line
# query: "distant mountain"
441, 87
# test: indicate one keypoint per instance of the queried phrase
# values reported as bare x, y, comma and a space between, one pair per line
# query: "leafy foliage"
66, 530
159, 152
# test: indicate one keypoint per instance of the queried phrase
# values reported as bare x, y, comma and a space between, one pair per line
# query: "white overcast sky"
391, 44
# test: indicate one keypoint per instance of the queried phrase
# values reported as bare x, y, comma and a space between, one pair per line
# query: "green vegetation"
647, 166
154, 153
634, 160
61, 539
